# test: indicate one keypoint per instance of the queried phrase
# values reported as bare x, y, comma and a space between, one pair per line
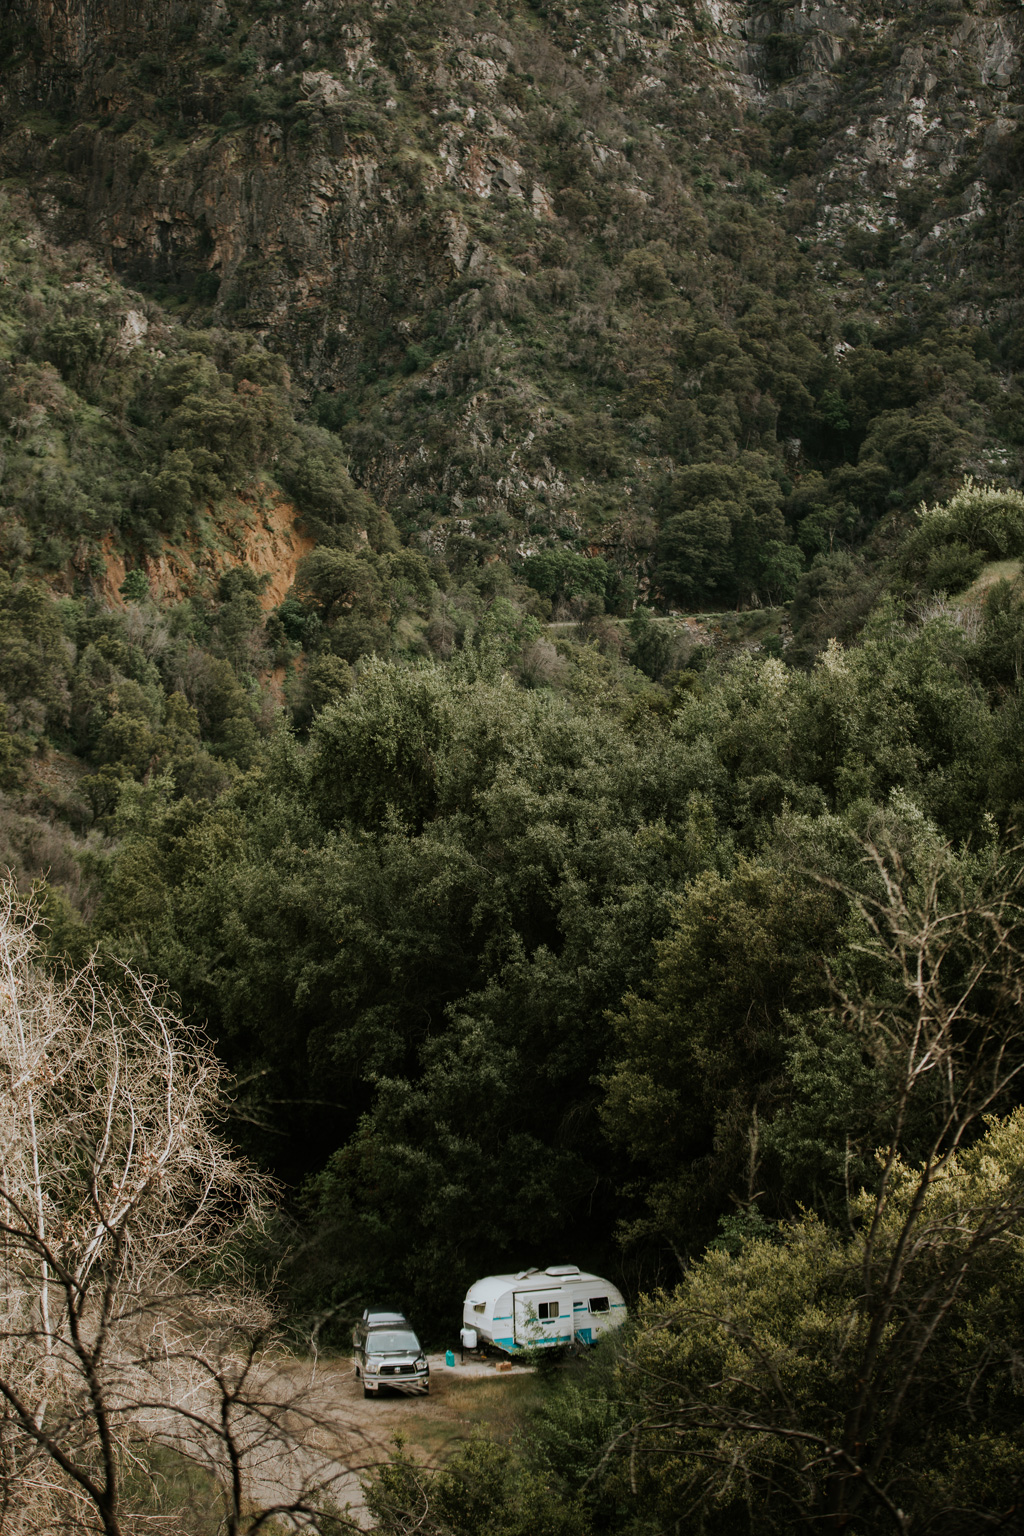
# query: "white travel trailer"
541, 1308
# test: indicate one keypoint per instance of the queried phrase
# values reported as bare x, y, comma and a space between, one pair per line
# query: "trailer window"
546, 1310
599, 1303
479, 1306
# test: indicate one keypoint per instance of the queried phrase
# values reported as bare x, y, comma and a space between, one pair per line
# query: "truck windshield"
384, 1341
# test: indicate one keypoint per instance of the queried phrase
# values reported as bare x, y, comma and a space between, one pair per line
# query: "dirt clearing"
347, 1434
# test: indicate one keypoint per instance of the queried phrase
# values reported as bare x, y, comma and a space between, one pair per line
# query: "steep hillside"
706, 287
511, 535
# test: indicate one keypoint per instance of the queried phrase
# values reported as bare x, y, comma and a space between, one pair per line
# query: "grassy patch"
168, 1492
996, 570
177, 1496
495, 1406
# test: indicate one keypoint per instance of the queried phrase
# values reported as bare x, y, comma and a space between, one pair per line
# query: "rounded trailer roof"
492, 1286
489, 1288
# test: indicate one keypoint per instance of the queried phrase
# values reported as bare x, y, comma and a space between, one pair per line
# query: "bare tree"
226, 1394
120, 1207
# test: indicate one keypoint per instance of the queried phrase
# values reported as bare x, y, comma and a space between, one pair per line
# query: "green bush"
983, 517
561, 574
135, 586
483, 1489
952, 567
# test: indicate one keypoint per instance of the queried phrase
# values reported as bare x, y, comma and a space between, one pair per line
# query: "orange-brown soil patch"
257, 530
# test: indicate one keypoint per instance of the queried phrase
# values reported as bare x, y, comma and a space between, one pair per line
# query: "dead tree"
119, 1199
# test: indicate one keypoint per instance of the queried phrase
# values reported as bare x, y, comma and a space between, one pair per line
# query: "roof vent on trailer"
562, 1269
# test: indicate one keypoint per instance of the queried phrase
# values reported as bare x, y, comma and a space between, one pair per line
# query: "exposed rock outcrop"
306, 225
333, 177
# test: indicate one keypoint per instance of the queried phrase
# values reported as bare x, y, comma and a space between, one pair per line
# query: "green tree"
701, 1055
562, 574
833, 1382
34, 659
719, 521
484, 1489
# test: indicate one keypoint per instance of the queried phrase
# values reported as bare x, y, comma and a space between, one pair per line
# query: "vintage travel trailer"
540, 1308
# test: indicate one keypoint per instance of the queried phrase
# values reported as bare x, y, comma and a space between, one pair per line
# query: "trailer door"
582, 1326
542, 1318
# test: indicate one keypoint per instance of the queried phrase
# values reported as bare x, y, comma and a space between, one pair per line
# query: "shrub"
135, 586
982, 517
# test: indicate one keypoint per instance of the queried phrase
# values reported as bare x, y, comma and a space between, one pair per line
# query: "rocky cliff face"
902, 92
388, 191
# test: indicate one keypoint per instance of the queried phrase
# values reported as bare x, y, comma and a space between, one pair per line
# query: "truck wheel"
367, 1392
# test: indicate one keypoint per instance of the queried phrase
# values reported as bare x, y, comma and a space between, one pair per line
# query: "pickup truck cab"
388, 1354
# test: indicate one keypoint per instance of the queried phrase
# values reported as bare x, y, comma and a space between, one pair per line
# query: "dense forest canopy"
511, 609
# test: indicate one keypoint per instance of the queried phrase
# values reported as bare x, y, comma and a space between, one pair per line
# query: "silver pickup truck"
388, 1354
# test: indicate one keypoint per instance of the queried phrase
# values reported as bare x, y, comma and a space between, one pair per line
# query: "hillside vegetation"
705, 289
511, 608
